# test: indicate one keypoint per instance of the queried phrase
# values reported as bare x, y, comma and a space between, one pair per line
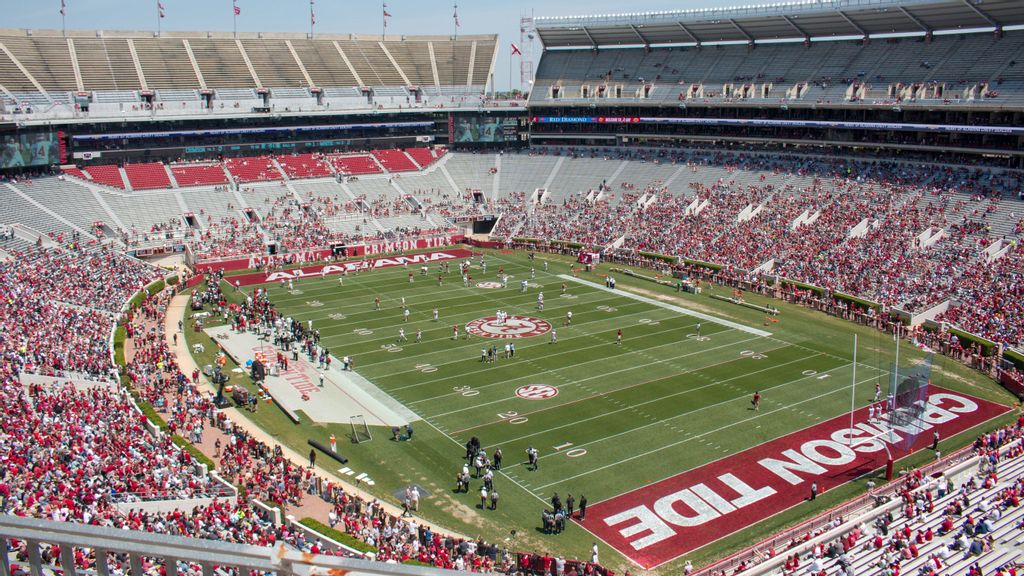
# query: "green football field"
663, 401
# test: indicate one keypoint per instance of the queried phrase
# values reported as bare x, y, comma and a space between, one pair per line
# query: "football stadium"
714, 290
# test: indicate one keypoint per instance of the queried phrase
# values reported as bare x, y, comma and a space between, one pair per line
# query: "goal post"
360, 429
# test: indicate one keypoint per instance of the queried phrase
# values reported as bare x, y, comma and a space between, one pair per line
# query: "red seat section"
76, 172
394, 160
423, 156
354, 165
304, 166
254, 169
108, 175
147, 176
199, 175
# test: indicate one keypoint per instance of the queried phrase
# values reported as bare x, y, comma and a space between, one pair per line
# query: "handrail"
168, 550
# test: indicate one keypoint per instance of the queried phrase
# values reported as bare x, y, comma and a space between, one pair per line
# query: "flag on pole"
160, 8
63, 5
312, 14
516, 50
237, 9
456, 16
386, 15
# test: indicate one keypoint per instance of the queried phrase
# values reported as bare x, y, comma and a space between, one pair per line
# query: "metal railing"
172, 552
796, 7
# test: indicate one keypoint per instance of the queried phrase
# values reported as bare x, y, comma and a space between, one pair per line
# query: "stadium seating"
106, 174
106, 63
77, 173
953, 62
199, 174
76, 202
423, 156
938, 527
147, 176
394, 160
252, 169
908, 231
299, 166
355, 165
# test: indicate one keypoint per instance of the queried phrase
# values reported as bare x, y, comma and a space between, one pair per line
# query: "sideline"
314, 506
672, 307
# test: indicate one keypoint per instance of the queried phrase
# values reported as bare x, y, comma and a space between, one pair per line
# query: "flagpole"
312, 19
63, 15
383, 19
234, 18
158, 16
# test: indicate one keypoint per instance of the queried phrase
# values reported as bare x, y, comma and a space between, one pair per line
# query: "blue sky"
335, 16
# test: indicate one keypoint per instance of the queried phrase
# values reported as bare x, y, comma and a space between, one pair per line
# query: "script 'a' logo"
512, 327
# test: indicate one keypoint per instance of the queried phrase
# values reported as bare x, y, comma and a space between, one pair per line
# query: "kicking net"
908, 401
360, 430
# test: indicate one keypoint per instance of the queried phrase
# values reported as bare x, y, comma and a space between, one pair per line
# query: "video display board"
23, 149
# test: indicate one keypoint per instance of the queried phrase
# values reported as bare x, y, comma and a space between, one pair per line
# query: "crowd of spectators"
904, 234
72, 452
936, 525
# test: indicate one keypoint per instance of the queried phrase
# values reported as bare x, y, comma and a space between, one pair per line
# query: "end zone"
348, 266
665, 520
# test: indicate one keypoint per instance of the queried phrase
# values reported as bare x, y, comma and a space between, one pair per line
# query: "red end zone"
660, 522
350, 266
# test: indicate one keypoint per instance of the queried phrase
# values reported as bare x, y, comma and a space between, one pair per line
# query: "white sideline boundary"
672, 307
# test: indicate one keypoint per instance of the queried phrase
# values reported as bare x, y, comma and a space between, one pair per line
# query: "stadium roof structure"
796, 20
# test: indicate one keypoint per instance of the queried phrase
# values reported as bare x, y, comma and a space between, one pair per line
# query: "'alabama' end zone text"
660, 522
349, 266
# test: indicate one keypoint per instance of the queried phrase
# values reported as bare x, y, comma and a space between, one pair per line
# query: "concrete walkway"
344, 395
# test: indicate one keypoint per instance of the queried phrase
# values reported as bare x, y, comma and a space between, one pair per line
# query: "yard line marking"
602, 375
365, 306
525, 308
672, 307
719, 429
534, 374
502, 472
455, 311
538, 343
633, 407
389, 284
